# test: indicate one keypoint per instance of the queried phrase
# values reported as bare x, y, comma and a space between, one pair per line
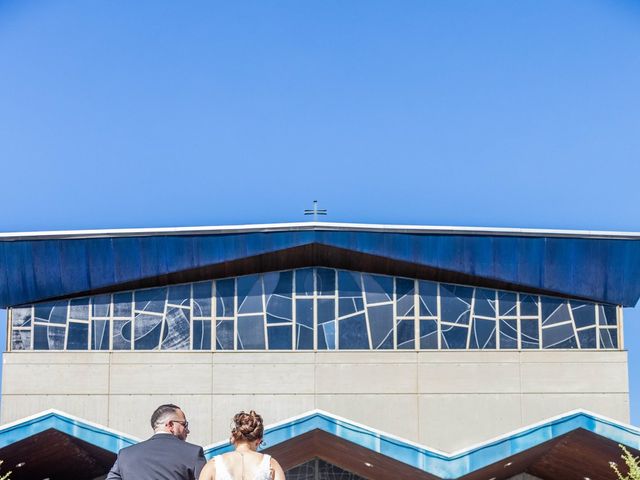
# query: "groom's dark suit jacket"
162, 457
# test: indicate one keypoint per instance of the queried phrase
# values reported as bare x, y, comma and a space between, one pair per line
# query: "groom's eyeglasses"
184, 423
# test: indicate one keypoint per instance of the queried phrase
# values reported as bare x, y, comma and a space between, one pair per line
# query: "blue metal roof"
434, 462
599, 267
438, 463
94, 434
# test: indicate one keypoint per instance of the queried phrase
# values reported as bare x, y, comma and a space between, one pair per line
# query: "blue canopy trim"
428, 460
99, 436
599, 269
438, 463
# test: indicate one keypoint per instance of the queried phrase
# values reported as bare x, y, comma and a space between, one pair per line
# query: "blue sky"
154, 113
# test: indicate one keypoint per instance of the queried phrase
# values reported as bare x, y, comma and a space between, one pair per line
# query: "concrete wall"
446, 400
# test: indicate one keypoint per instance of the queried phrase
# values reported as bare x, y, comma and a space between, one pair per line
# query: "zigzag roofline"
430, 460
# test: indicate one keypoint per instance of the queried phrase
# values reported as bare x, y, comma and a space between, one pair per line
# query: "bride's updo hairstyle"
247, 427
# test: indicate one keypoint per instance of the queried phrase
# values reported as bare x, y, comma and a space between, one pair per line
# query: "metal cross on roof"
315, 211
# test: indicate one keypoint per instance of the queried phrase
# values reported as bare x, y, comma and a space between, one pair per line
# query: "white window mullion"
471, 319
540, 323
336, 311
294, 335
264, 312
619, 324
439, 321
213, 316
518, 323
235, 314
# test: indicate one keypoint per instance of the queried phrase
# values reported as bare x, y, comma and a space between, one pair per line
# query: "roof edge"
310, 226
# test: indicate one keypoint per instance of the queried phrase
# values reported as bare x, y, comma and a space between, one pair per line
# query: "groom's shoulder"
166, 444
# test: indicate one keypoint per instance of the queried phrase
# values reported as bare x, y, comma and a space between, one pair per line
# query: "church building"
372, 351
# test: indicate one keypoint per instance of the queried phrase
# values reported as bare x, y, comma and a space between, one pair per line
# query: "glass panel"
584, 314
455, 304
122, 334
609, 338
48, 337
304, 324
279, 337
326, 279
529, 305
250, 294
100, 335
151, 300
406, 334
454, 337
353, 333
405, 291
485, 303
306, 471
79, 309
122, 304
278, 283
278, 296
317, 469
587, 338
508, 333
21, 340
55, 312
224, 334
381, 325
530, 333
176, 334
202, 299
508, 304
225, 292
554, 311
428, 299
327, 336
350, 293
304, 281
559, 336
607, 315
326, 324
483, 334
327, 471
21, 317
180, 295
78, 336
251, 333
202, 334
101, 305
377, 288
147, 330
429, 334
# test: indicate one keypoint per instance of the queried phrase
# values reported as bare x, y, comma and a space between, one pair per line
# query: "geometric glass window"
314, 309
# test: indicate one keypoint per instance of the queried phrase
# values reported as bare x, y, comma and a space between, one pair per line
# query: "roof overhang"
577, 444
596, 266
548, 446
310, 226
53, 444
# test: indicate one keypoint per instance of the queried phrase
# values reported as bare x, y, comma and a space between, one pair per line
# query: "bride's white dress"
263, 473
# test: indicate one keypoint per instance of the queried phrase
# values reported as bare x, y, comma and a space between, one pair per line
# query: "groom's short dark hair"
161, 412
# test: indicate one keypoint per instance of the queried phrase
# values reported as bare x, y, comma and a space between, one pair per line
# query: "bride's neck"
245, 447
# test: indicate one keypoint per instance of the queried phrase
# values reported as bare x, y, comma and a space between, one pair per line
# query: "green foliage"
633, 465
6, 475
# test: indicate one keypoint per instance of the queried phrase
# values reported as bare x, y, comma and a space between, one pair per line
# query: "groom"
165, 455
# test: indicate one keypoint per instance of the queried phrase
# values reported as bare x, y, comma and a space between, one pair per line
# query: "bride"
245, 463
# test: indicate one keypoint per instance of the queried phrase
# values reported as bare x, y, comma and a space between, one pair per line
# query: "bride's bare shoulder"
278, 473
209, 471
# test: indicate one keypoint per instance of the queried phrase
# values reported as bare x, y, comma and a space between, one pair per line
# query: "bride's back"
247, 465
